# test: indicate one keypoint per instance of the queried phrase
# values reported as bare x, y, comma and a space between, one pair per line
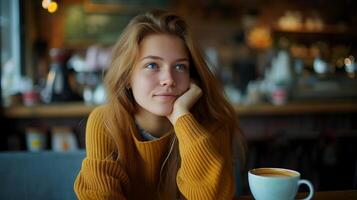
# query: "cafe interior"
289, 68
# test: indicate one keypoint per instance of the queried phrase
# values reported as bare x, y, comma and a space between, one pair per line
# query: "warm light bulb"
52, 7
46, 3
348, 61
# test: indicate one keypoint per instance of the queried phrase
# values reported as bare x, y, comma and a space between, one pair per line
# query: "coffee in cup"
276, 184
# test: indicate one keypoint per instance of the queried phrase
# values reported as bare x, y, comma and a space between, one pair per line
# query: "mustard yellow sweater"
206, 165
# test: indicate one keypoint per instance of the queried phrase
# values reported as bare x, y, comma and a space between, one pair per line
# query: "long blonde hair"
211, 107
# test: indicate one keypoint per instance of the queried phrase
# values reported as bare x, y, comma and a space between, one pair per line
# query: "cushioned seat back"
42, 175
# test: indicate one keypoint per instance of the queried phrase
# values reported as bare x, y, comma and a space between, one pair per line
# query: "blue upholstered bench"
43, 175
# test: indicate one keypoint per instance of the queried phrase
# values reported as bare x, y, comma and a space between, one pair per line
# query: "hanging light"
52, 7
45, 3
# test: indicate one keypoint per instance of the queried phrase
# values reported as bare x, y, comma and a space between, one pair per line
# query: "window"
10, 48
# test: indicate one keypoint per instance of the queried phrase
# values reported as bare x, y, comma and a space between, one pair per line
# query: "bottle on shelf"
57, 84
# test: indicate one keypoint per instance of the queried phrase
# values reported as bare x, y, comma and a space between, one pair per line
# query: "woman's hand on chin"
183, 104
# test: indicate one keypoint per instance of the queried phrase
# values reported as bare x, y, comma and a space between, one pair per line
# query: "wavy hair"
211, 107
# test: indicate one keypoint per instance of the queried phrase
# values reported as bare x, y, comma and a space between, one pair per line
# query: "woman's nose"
167, 79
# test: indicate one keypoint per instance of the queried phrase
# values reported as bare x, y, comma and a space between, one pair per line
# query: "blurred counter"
298, 107
323, 195
79, 109
73, 109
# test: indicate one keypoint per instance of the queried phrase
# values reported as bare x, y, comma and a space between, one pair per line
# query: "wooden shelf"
293, 108
328, 30
332, 34
77, 109
297, 108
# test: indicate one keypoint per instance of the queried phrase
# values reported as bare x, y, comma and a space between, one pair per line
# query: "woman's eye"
151, 66
181, 67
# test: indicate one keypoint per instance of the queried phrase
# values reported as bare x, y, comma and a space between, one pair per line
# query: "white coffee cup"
276, 184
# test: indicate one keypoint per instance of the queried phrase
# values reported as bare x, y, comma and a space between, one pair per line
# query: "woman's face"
161, 74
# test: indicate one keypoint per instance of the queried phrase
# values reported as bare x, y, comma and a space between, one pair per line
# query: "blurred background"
288, 67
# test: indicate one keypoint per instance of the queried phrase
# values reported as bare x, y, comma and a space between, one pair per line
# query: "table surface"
323, 195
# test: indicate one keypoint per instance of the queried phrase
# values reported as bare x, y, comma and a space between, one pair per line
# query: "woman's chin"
162, 112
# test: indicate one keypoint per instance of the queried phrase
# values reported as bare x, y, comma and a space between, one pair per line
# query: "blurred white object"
99, 95
10, 81
254, 93
88, 95
104, 58
78, 63
351, 67
91, 58
35, 139
97, 58
280, 72
233, 94
63, 139
320, 66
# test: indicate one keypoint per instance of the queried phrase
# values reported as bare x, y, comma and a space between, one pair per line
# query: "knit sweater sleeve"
100, 177
206, 170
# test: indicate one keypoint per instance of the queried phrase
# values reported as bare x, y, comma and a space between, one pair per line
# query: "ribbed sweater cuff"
104, 173
187, 129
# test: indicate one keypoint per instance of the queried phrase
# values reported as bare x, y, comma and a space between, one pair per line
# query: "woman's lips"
165, 97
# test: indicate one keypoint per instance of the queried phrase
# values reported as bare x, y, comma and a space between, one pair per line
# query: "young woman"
167, 132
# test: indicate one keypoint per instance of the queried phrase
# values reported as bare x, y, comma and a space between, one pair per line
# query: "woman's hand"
183, 104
